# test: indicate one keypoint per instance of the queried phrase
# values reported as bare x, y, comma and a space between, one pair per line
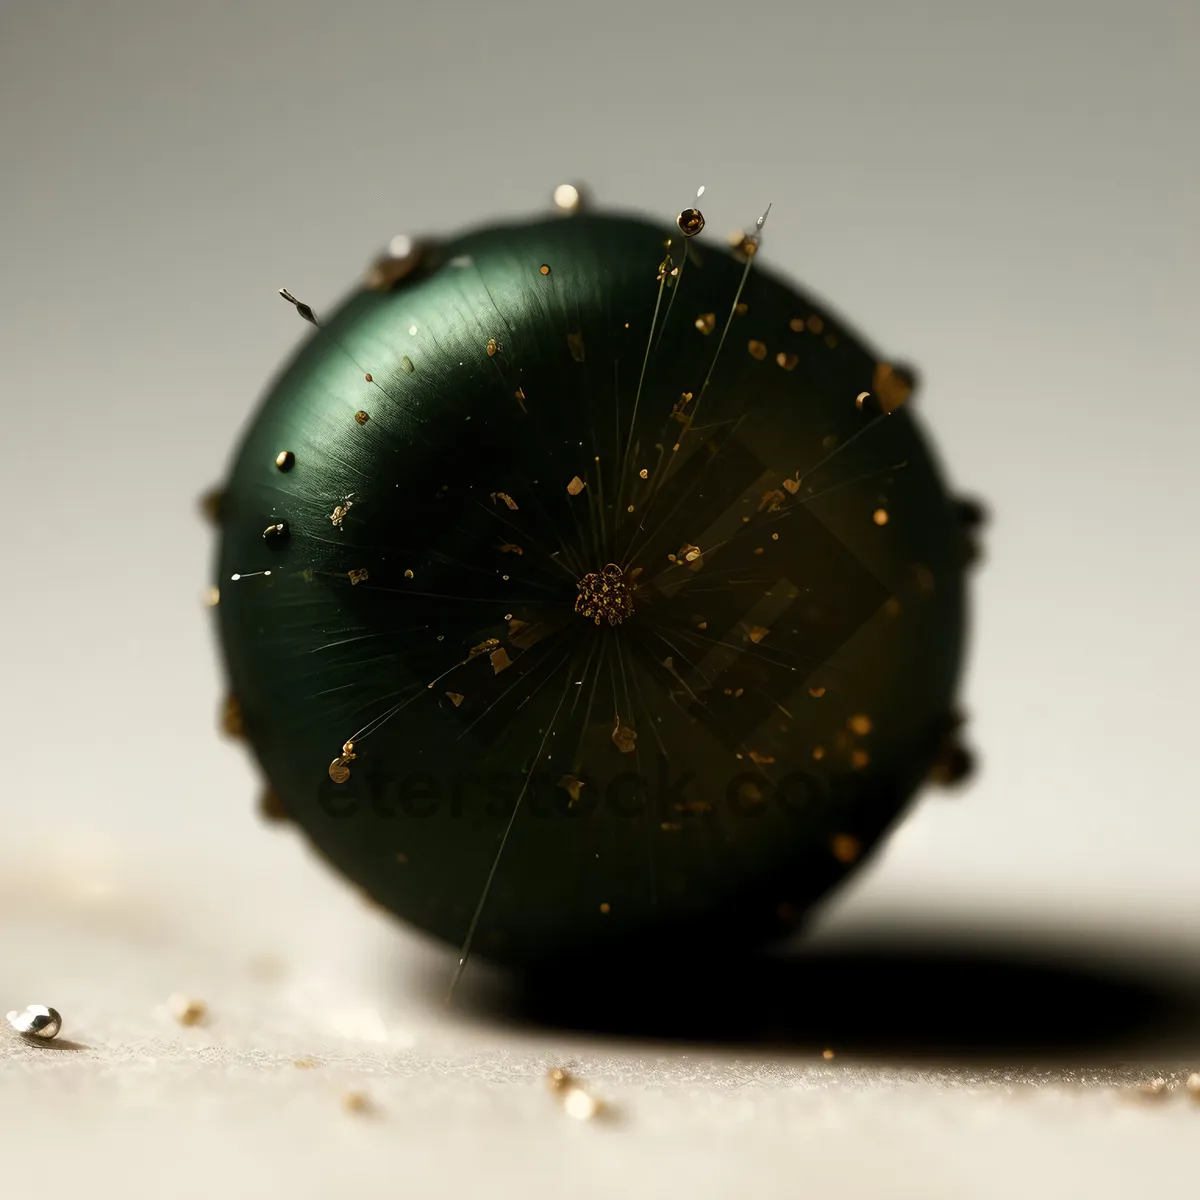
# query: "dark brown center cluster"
605, 596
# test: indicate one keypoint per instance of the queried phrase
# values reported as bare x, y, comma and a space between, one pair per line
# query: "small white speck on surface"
580, 1104
576, 1100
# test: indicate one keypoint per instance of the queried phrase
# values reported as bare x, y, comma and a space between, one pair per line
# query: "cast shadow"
916, 994
55, 1044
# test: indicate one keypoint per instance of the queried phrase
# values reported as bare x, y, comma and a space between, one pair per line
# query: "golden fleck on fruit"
270, 805
893, 386
231, 718
571, 786
757, 349
484, 647
750, 793
846, 848
624, 738
210, 505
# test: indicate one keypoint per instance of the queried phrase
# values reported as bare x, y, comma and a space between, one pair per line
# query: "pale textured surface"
130, 1104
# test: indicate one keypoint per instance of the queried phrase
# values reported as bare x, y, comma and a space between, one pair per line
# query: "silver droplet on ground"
36, 1021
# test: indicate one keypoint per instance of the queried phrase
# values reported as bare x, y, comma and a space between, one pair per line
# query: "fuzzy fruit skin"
491, 378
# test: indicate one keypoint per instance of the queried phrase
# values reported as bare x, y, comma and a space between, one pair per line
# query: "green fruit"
585, 588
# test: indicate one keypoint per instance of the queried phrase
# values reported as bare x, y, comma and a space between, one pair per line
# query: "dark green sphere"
585, 588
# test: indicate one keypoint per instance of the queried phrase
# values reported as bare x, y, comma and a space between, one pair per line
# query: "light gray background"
1004, 194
